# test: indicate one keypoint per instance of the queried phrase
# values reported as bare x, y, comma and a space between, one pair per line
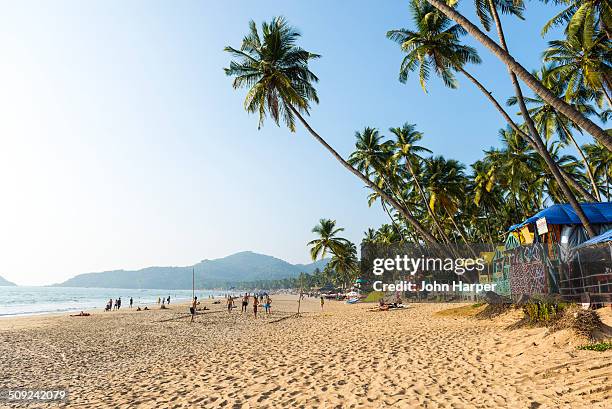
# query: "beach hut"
540, 264
589, 272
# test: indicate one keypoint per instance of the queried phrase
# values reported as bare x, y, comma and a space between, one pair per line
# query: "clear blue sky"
123, 145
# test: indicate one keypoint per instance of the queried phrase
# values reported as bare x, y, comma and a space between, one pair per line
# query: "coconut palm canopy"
275, 71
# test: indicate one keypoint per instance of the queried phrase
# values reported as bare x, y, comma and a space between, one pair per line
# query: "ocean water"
15, 301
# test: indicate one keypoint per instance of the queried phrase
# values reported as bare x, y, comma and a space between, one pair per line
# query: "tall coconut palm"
328, 240
408, 150
582, 61
428, 47
371, 152
276, 72
445, 183
344, 264
537, 87
581, 13
550, 122
601, 160
369, 236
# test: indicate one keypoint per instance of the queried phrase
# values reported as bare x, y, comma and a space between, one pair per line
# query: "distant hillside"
7, 283
222, 272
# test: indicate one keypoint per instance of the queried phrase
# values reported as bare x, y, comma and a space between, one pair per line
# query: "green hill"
222, 272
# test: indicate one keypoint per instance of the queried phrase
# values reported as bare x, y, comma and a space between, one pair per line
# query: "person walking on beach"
131, 302
194, 305
322, 302
168, 300
158, 300
245, 302
268, 305
230, 304
255, 304
119, 303
163, 301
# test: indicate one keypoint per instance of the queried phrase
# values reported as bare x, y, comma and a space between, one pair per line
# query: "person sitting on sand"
81, 314
255, 304
138, 309
245, 302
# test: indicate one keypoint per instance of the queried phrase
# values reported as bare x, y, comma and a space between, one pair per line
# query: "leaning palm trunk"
587, 166
425, 235
532, 82
534, 132
570, 180
426, 203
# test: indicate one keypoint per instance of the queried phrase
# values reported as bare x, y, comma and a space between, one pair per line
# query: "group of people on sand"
262, 299
110, 305
163, 301
115, 305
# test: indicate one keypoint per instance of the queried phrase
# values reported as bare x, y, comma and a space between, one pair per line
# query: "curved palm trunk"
426, 202
587, 166
577, 186
533, 131
395, 226
530, 80
427, 236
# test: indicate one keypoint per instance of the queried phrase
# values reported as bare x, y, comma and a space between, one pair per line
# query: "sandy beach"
343, 357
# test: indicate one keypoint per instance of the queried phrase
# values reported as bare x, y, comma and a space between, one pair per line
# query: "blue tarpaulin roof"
597, 213
602, 238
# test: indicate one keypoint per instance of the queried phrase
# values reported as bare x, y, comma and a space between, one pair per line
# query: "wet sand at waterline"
343, 357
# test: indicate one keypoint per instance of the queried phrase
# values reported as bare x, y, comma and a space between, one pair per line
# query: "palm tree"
369, 236
344, 264
371, 153
582, 61
328, 241
601, 160
581, 13
525, 76
406, 139
280, 84
549, 121
431, 48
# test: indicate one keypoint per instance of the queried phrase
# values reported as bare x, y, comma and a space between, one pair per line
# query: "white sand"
344, 357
